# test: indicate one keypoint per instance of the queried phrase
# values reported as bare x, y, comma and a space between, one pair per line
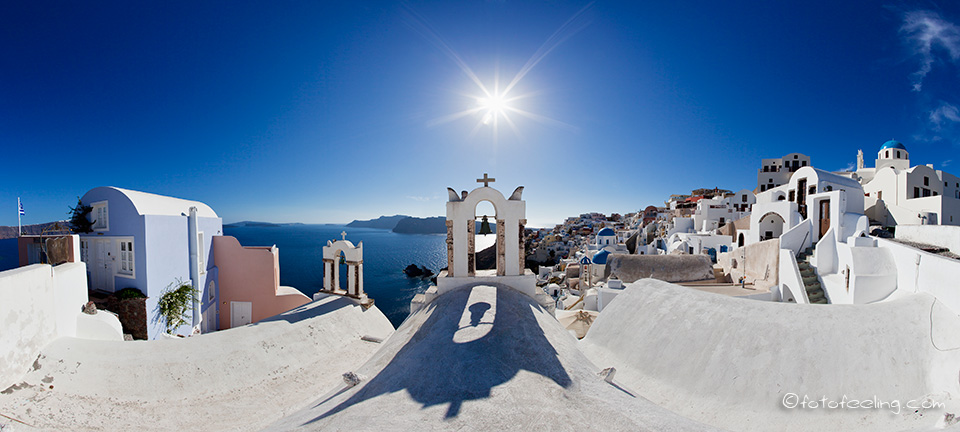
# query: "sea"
385, 255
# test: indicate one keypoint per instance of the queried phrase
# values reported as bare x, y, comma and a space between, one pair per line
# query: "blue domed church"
896, 193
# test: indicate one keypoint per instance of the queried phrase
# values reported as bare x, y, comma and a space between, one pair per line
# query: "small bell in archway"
485, 226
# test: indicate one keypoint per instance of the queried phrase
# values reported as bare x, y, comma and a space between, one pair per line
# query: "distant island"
7, 232
402, 224
258, 224
412, 225
382, 222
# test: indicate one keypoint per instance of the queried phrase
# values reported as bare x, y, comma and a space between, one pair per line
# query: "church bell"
485, 226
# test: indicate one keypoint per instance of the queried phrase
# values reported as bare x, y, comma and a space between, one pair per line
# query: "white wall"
40, 303
790, 288
938, 235
919, 271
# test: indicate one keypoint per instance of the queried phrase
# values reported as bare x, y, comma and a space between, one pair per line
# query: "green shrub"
174, 302
129, 293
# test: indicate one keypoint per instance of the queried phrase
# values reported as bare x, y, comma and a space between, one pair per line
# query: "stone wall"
131, 312
759, 262
669, 268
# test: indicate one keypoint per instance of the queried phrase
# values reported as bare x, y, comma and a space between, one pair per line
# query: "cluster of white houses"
803, 233
821, 222
805, 238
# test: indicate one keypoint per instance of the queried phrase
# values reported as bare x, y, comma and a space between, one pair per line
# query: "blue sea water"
385, 255
8, 254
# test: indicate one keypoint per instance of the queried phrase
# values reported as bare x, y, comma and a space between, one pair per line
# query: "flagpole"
19, 228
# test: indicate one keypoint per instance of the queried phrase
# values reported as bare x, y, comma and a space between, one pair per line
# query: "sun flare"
492, 107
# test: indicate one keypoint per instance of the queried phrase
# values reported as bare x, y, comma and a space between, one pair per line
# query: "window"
926, 192
763, 188
888, 154
804, 163
200, 253
769, 180
813, 189
212, 291
898, 154
126, 258
879, 195
793, 195
101, 218
926, 181
743, 198
84, 251
766, 168
796, 157
916, 192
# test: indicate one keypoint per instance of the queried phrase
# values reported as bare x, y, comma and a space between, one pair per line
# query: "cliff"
382, 222
412, 225
433, 225
7, 232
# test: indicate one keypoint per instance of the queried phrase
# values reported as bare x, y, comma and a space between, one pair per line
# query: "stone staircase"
809, 276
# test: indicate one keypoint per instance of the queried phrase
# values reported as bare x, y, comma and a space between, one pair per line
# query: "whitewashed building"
776, 172
823, 197
898, 194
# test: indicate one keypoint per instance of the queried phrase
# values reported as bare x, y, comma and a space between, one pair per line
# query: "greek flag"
21, 207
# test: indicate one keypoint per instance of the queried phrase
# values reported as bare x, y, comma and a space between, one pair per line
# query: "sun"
498, 104
492, 107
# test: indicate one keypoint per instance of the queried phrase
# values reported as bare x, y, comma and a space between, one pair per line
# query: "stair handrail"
803, 241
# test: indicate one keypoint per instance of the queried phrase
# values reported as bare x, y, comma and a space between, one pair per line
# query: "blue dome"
601, 257
606, 232
892, 144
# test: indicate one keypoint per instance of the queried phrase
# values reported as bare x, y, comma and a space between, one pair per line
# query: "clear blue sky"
333, 111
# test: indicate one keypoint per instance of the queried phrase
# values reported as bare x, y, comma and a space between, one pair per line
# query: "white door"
101, 271
240, 313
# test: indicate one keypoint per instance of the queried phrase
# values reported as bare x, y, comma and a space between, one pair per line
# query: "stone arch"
772, 223
353, 258
461, 227
472, 235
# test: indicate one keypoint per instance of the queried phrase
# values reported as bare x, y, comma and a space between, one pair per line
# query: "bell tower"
461, 251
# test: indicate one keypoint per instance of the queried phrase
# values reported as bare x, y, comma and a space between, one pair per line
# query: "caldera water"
385, 255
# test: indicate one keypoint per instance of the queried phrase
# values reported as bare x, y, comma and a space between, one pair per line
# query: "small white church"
899, 194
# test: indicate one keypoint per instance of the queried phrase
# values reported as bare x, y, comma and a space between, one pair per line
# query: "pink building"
32, 249
249, 279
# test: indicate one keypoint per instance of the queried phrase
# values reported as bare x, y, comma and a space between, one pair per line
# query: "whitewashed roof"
836, 179
153, 204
